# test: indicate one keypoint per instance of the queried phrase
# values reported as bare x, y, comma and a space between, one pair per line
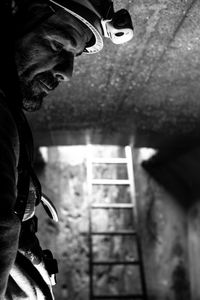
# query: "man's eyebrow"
62, 35
59, 34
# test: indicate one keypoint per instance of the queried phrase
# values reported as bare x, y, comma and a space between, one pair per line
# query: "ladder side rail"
129, 155
90, 198
91, 256
89, 171
131, 177
141, 267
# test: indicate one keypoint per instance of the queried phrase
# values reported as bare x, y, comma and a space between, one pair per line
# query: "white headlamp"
119, 28
114, 25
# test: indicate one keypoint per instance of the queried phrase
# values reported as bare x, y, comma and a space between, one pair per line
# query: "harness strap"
25, 169
26, 266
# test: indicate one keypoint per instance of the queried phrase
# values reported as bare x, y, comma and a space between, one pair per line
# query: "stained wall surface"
168, 231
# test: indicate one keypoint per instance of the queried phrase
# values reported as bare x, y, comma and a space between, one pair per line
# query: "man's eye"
56, 46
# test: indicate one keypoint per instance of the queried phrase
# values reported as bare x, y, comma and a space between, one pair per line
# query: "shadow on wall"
179, 172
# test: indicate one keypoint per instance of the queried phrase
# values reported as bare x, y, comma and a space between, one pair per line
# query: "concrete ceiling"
148, 87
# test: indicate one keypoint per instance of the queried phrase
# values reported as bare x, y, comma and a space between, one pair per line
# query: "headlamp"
116, 26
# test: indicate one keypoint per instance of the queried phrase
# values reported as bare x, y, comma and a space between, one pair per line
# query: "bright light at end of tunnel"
72, 155
44, 152
146, 153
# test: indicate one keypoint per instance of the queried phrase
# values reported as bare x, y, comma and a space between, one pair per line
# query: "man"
44, 39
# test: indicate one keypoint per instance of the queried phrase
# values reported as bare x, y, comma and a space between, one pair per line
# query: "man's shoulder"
6, 118
8, 128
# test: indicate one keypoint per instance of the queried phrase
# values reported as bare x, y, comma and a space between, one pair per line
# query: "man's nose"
63, 69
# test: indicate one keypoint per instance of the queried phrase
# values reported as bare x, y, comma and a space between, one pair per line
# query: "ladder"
127, 161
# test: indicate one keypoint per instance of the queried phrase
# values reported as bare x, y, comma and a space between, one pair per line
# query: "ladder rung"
110, 182
112, 205
112, 160
122, 232
134, 296
110, 262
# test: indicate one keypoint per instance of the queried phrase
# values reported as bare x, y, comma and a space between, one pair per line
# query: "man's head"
50, 36
45, 55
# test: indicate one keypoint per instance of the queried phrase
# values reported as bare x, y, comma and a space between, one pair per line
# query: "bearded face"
45, 56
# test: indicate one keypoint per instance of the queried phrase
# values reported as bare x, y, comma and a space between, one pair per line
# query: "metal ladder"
126, 206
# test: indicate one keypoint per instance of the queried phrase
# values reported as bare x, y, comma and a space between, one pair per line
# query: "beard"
32, 96
33, 91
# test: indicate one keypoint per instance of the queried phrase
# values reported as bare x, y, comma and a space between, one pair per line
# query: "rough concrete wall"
64, 182
194, 248
163, 228
162, 225
179, 172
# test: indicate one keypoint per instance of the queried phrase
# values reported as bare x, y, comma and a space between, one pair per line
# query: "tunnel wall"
163, 227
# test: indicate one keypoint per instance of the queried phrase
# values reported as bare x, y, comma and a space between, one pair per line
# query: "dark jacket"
22, 271
23, 274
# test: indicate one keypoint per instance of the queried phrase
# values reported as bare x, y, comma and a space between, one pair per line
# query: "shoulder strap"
25, 168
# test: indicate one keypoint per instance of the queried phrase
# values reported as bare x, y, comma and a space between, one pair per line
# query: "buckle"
49, 208
50, 265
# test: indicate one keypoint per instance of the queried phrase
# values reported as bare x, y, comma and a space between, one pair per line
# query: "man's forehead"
62, 23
